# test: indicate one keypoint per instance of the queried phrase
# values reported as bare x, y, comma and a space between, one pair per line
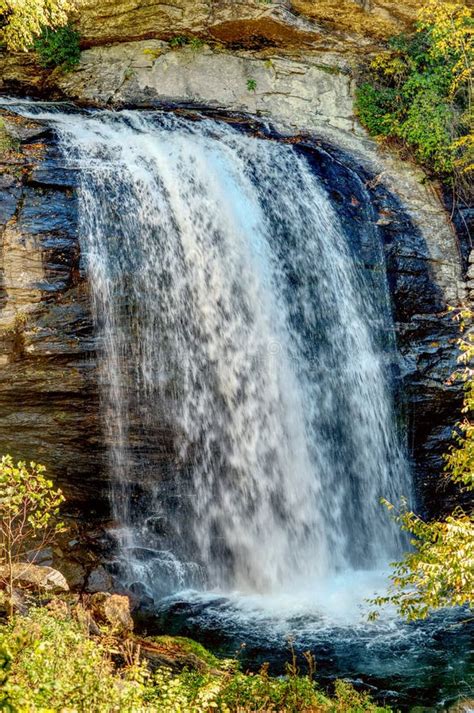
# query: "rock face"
298, 29
247, 23
48, 387
297, 94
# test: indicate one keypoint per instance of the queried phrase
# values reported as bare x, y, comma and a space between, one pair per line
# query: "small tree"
439, 572
29, 509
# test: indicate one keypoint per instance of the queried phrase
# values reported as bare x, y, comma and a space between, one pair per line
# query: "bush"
56, 666
21, 22
59, 48
419, 93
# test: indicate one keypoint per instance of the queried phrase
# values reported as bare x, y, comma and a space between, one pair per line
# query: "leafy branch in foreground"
439, 572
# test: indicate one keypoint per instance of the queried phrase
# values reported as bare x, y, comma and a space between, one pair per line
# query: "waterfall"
246, 397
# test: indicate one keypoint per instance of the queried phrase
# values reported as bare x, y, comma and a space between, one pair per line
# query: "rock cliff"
48, 388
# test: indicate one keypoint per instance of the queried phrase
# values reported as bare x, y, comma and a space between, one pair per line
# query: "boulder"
112, 609
465, 705
32, 576
99, 581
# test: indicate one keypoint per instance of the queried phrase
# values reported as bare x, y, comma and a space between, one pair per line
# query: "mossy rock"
178, 653
7, 143
189, 646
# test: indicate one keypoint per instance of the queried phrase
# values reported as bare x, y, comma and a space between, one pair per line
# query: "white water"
236, 328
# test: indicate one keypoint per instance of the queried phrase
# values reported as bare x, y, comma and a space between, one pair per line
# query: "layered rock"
48, 387
296, 28
247, 23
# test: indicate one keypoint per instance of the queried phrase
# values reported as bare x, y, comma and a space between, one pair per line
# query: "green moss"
328, 68
178, 41
195, 43
188, 646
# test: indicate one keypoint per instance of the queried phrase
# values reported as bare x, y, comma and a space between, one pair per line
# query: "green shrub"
59, 48
56, 666
195, 43
178, 41
21, 22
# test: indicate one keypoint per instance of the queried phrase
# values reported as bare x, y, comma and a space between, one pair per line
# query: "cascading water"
232, 314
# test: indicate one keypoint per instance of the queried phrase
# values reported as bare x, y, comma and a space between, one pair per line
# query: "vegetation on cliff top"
58, 48
419, 93
21, 21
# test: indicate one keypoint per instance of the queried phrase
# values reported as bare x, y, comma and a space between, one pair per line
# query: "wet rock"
99, 580
25, 131
112, 609
48, 381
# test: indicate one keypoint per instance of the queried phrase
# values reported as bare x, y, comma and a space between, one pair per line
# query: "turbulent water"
245, 351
